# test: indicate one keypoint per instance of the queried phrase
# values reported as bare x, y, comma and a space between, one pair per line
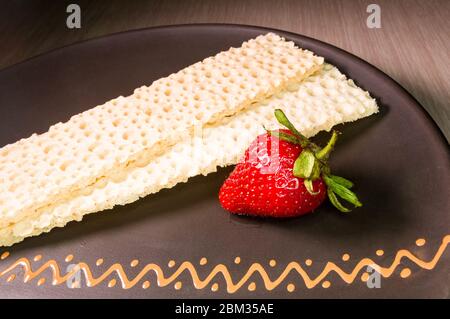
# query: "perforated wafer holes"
64, 166
199, 116
47, 149
167, 108
102, 155
92, 147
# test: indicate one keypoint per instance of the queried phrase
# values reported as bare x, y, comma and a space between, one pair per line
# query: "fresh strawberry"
283, 174
264, 185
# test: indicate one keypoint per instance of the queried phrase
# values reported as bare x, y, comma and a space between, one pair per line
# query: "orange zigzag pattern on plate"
127, 283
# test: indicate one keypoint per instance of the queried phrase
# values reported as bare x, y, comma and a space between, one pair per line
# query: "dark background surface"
412, 46
392, 171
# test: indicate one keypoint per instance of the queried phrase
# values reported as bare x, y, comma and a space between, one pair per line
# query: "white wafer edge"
320, 102
95, 144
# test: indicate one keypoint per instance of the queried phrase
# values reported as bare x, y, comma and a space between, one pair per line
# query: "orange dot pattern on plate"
420, 242
345, 257
11, 278
4, 255
58, 277
272, 263
237, 260
41, 282
203, 261
99, 261
379, 252
171, 263
69, 258
290, 287
178, 285
134, 263
215, 287
37, 257
405, 273
308, 262
112, 283
146, 284
365, 277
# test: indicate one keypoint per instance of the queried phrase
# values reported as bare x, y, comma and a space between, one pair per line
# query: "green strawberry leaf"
341, 180
309, 187
283, 136
342, 191
316, 171
336, 203
304, 164
283, 120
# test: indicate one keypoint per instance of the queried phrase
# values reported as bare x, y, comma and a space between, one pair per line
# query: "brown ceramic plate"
398, 159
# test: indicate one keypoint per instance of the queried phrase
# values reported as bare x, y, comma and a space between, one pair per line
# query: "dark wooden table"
412, 45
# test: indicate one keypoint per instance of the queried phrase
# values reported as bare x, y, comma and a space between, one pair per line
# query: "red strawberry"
283, 174
263, 184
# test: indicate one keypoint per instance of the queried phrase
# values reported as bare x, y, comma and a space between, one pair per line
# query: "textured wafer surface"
59, 164
318, 103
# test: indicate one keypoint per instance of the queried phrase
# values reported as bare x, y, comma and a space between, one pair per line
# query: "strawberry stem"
312, 163
324, 153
